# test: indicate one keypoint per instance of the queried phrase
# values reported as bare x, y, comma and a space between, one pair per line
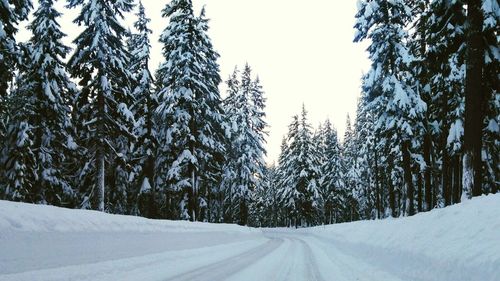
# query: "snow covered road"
459, 243
272, 255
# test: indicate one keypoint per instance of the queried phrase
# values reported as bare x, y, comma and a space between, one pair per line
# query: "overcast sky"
301, 50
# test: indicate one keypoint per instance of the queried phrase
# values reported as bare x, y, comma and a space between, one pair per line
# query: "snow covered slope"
461, 242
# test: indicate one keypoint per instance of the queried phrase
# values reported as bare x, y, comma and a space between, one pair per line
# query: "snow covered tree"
102, 108
244, 109
442, 63
191, 137
300, 189
482, 61
40, 125
264, 206
144, 152
11, 13
351, 177
288, 195
491, 131
390, 81
333, 190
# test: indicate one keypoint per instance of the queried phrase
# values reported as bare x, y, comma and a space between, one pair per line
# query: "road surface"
278, 254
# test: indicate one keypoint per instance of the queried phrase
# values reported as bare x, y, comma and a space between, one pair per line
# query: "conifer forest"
93, 126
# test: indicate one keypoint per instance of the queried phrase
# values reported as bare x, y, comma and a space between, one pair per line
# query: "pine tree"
491, 131
102, 108
300, 184
475, 97
41, 127
288, 195
11, 13
244, 109
145, 149
332, 176
191, 136
444, 89
350, 172
390, 81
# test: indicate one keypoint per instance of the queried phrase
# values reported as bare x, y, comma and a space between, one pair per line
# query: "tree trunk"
192, 197
446, 178
243, 212
392, 198
149, 173
420, 192
99, 158
377, 188
456, 180
407, 176
474, 99
427, 172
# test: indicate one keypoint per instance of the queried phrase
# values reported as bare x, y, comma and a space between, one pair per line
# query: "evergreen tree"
288, 195
11, 13
390, 82
332, 176
191, 137
350, 172
41, 127
102, 108
145, 149
301, 192
244, 109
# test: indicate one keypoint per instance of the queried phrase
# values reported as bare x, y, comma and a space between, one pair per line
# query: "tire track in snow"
287, 262
312, 266
225, 268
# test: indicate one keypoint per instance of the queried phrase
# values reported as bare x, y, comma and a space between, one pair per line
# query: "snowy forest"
91, 126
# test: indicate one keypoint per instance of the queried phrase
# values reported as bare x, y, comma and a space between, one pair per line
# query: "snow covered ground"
461, 242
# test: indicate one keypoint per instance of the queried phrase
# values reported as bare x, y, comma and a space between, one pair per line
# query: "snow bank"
460, 242
37, 237
457, 243
15, 217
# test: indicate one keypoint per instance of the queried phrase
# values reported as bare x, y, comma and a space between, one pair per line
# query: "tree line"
94, 128
426, 132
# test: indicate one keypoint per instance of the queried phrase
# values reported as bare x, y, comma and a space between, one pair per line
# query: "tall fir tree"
144, 151
244, 109
12, 12
390, 82
300, 187
332, 176
42, 124
191, 135
102, 108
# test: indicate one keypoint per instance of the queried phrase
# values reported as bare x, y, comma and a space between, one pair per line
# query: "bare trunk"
420, 192
192, 199
408, 177
474, 99
427, 172
446, 178
392, 198
149, 174
100, 178
99, 158
456, 192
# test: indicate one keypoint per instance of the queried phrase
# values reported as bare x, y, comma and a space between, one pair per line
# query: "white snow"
458, 243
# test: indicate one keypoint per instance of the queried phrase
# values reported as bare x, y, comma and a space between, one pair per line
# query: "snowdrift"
457, 243
40, 218
460, 242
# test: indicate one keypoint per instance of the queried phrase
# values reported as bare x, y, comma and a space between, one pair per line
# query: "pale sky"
301, 50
